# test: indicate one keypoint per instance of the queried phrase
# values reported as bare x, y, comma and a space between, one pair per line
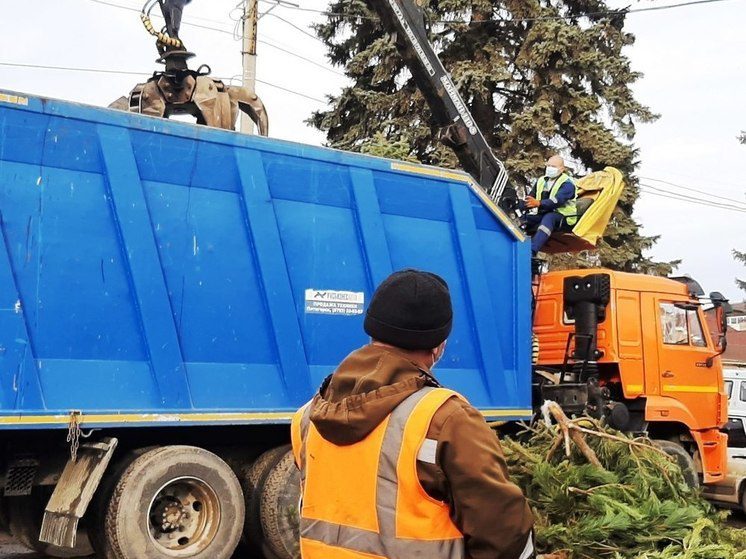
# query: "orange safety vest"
364, 500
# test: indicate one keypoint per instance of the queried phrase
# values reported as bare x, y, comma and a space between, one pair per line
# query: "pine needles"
635, 506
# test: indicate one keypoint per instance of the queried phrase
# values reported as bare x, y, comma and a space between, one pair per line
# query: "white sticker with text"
344, 303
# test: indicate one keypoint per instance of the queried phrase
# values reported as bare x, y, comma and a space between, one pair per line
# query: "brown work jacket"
469, 472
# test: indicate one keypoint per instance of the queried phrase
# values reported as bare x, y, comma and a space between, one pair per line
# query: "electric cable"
724, 208
648, 189
695, 190
655, 191
298, 28
621, 11
741, 205
132, 73
226, 32
301, 57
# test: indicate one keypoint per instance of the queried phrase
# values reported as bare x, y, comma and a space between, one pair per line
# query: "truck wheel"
279, 508
251, 483
683, 459
97, 509
24, 518
175, 501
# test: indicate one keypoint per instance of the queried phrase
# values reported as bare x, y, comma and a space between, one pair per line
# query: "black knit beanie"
410, 310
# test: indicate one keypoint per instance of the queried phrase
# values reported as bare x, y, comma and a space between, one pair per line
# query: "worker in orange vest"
393, 465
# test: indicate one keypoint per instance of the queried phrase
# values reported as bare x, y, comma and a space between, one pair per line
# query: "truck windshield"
729, 388
681, 325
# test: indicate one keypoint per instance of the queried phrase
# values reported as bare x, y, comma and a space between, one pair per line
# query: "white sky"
692, 58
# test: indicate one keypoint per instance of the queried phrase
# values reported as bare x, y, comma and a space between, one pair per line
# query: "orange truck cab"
634, 350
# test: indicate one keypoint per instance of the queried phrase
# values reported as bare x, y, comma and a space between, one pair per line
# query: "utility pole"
250, 19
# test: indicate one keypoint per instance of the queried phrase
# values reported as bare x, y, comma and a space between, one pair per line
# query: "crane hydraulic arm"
459, 130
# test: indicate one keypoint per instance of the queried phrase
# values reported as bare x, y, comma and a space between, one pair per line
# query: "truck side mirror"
722, 310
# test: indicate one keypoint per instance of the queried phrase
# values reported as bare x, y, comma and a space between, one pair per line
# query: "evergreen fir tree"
741, 257
535, 82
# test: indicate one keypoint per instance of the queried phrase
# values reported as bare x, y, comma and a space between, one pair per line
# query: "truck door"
683, 350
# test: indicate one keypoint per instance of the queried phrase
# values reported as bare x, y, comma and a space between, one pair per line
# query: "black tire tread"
683, 459
111, 526
251, 484
110, 519
279, 536
98, 507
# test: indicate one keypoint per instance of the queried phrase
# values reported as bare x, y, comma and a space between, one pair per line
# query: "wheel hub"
184, 517
170, 514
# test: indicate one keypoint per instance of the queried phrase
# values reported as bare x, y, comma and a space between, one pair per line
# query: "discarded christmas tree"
633, 503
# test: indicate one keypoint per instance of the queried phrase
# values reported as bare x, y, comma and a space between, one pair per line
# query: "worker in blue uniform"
554, 197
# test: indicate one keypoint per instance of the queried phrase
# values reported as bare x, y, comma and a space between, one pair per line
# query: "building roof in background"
736, 350
739, 308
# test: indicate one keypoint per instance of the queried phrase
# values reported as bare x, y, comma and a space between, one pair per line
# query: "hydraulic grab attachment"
180, 90
459, 130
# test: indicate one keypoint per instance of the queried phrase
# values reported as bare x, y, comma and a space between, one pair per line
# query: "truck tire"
251, 483
24, 519
175, 501
97, 510
683, 459
280, 497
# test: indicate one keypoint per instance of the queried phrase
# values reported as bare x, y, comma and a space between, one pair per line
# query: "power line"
656, 191
695, 190
622, 11
139, 9
73, 69
688, 177
724, 208
131, 73
297, 27
741, 205
686, 199
226, 32
301, 57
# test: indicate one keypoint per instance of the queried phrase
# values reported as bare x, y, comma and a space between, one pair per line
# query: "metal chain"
74, 432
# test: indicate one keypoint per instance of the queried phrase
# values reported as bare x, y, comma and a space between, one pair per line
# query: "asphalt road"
10, 550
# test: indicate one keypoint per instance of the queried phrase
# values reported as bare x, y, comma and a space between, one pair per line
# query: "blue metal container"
161, 273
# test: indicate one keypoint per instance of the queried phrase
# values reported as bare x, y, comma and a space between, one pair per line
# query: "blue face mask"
552, 172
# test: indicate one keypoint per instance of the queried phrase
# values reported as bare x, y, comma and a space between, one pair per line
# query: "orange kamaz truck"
635, 350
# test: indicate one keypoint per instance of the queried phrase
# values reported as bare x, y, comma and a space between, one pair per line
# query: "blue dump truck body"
161, 273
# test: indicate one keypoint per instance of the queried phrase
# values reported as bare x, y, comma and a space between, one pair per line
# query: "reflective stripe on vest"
406, 522
569, 209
